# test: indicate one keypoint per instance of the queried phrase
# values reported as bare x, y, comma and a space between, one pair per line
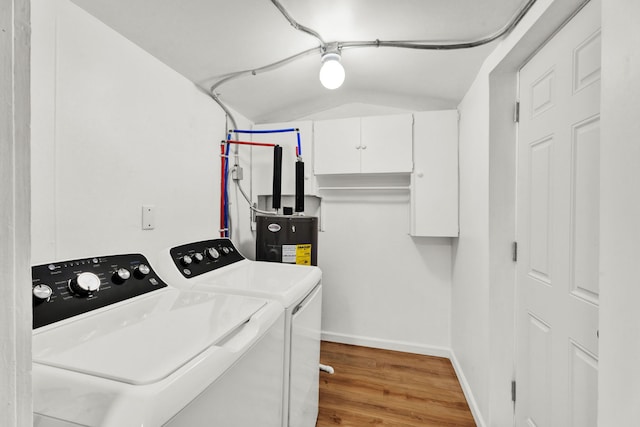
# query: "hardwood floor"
388, 388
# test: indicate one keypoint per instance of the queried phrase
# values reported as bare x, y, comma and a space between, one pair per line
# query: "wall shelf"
407, 188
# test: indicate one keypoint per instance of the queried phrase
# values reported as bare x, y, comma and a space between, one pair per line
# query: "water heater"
288, 239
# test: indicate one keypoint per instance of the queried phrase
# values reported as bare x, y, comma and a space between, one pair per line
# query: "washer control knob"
212, 253
141, 271
41, 293
121, 275
186, 260
198, 257
85, 284
226, 250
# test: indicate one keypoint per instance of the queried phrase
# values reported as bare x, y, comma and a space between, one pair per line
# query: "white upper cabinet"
376, 144
337, 146
386, 144
434, 182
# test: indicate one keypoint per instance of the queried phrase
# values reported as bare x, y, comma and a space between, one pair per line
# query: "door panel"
540, 215
540, 368
558, 228
585, 196
584, 376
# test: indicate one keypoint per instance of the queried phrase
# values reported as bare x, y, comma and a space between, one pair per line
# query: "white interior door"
558, 228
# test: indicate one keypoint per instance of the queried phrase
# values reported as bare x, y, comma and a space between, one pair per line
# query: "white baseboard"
408, 347
466, 389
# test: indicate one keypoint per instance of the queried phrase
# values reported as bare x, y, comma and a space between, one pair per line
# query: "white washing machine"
114, 346
216, 265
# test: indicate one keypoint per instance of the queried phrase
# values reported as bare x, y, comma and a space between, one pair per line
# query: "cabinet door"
434, 182
262, 159
336, 146
386, 144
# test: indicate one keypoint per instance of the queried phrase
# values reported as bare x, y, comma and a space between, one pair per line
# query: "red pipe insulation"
261, 144
222, 164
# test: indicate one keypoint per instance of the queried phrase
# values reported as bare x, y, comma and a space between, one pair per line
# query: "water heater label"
289, 254
296, 254
303, 254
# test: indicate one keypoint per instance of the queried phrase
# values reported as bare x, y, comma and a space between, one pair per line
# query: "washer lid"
286, 283
146, 339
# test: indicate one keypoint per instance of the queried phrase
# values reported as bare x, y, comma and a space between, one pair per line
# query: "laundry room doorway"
558, 207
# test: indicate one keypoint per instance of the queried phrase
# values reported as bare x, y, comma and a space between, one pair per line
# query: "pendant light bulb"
331, 71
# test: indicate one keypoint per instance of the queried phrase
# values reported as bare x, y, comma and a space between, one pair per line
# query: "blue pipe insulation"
296, 130
263, 131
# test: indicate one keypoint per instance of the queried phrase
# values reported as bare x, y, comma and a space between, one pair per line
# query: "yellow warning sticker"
303, 254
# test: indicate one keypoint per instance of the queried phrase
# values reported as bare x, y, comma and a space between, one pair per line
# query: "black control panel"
194, 259
65, 289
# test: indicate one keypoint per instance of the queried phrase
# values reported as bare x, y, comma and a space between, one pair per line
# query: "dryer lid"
146, 339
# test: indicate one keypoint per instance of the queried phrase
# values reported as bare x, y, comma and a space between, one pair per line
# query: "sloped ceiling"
205, 40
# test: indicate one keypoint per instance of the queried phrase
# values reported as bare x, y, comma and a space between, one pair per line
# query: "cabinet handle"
358, 147
364, 147
420, 174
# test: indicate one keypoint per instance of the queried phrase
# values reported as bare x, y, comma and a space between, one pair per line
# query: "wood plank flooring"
388, 388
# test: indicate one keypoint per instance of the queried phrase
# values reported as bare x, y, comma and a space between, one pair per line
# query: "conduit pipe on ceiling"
255, 71
405, 44
427, 45
295, 24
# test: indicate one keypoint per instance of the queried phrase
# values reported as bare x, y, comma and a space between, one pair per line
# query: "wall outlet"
148, 217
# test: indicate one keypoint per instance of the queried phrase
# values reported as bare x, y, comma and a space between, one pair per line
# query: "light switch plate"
148, 217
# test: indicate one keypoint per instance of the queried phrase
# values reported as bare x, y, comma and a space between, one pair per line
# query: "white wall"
382, 288
15, 272
470, 331
113, 129
619, 216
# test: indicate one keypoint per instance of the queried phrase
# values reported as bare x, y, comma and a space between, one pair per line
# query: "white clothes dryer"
216, 265
114, 346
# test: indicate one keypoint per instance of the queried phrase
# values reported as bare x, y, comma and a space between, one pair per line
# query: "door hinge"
514, 251
516, 112
513, 391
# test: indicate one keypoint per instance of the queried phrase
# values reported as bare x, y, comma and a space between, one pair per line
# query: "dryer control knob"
212, 253
225, 250
41, 293
186, 260
85, 284
141, 271
121, 275
198, 257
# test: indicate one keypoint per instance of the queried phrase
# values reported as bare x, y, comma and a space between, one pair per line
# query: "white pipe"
326, 368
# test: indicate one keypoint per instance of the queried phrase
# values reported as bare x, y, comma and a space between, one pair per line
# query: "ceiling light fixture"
331, 71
